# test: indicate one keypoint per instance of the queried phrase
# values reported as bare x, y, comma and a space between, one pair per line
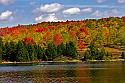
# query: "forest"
45, 41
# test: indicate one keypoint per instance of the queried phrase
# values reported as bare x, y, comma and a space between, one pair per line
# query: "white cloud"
48, 8
50, 17
72, 11
7, 2
121, 1
39, 19
97, 13
108, 13
87, 10
101, 1
32, 3
6, 15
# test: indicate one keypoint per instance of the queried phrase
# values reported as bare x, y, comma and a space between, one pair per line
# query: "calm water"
83, 72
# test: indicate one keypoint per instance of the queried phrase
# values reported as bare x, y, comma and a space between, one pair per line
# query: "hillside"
103, 32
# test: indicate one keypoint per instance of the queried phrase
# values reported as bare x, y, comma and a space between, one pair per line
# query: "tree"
1, 55
71, 50
123, 55
93, 50
81, 44
94, 53
61, 49
12, 51
51, 51
31, 51
87, 55
57, 39
102, 54
1, 49
22, 55
40, 52
6, 52
1, 43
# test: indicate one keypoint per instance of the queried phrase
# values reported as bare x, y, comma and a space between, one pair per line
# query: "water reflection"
85, 72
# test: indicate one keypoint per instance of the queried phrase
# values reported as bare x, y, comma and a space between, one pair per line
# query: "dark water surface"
52, 72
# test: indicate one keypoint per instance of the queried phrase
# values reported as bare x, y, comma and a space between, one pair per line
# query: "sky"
24, 12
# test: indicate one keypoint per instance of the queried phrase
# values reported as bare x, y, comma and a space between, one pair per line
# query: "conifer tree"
71, 50
61, 49
51, 51
31, 51
1, 55
22, 55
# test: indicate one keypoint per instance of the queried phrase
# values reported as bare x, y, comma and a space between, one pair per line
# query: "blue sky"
14, 12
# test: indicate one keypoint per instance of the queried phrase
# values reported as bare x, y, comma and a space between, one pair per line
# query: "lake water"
52, 72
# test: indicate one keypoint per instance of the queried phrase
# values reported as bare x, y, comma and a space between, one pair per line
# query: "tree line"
25, 52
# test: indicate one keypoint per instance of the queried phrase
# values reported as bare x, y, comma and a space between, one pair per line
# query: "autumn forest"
48, 41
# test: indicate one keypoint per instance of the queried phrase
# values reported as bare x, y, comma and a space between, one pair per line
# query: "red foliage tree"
57, 39
15, 32
84, 30
53, 27
28, 40
47, 37
81, 44
72, 32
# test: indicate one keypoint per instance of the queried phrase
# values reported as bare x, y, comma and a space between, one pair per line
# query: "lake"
64, 72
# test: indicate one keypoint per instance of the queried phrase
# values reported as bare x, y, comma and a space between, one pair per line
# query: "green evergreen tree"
1, 49
22, 55
123, 55
51, 51
71, 50
40, 53
102, 54
61, 49
1, 43
6, 56
1, 52
12, 51
87, 55
32, 52
94, 53
93, 50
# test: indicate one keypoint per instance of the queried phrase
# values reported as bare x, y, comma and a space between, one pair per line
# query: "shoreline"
63, 61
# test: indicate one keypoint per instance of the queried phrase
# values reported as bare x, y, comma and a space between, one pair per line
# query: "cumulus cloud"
87, 10
39, 19
72, 11
113, 12
48, 8
101, 1
50, 17
7, 2
97, 13
121, 1
6, 15
32, 3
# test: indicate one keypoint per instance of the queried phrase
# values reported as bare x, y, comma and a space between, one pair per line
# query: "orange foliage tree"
57, 39
28, 40
81, 44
